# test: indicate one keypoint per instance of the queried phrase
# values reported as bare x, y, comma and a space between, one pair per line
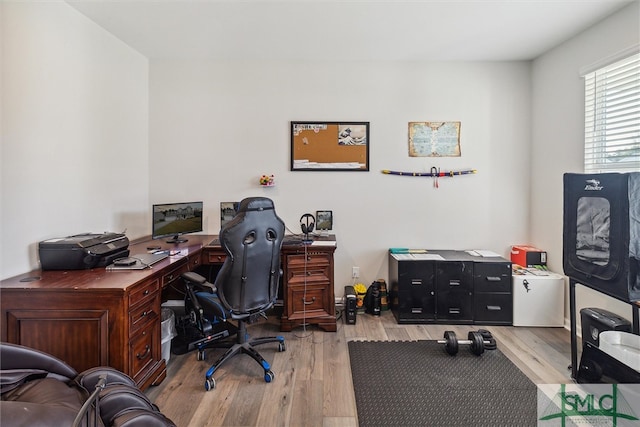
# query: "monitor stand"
176, 240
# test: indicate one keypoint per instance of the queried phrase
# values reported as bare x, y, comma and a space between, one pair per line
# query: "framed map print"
329, 146
434, 139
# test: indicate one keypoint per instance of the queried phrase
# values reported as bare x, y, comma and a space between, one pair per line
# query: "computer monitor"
176, 219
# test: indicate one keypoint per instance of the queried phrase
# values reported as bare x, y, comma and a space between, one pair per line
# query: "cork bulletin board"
329, 146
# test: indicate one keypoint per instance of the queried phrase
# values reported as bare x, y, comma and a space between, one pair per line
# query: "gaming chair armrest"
199, 281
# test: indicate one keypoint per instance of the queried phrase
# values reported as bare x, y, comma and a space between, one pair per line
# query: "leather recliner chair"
38, 389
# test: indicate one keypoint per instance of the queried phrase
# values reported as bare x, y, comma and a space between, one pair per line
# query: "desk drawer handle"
146, 292
417, 282
454, 282
454, 310
144, 313
147, 351
494, 308
493, 278
170, 277
313, 299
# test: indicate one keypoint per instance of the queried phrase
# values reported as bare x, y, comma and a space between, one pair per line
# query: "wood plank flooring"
312, 385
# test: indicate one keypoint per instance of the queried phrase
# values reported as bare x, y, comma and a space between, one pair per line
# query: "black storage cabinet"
457, 289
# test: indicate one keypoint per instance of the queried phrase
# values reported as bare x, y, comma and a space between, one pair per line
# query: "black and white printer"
82, 251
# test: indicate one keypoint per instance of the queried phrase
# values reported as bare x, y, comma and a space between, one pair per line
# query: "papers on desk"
483, 253
323, 243
417, 257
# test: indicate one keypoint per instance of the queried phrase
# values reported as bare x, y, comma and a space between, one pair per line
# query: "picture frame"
330, 146
434, 139
324, 220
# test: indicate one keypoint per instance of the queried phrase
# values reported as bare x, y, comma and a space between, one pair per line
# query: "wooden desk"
112, 318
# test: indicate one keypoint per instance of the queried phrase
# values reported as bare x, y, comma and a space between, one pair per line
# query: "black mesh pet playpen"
601, 243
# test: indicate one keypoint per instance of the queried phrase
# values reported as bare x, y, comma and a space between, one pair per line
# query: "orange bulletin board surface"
330, 146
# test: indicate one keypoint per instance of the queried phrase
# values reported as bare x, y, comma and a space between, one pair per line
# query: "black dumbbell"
488, 337
475, 342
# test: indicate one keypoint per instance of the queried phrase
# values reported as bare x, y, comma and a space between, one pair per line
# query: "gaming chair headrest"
255, 204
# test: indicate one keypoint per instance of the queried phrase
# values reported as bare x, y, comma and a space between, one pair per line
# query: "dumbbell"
475, 342
488, 337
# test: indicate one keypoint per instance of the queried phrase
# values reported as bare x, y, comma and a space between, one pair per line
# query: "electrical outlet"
355, 272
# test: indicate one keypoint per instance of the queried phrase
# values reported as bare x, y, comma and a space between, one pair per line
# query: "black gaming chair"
247, 284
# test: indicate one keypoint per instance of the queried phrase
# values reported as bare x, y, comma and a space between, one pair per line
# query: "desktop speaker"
350, 309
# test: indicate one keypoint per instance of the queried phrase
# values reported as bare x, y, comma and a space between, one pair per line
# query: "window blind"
612, 117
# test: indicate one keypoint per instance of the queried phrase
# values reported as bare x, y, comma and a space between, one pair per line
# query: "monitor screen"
176, 219
227, 211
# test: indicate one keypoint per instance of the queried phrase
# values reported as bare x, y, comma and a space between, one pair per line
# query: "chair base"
191, 338
241, 346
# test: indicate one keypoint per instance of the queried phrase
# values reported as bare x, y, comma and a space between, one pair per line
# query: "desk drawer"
144, 350
311, 274
174, 275
215, 257
299, 261
194, 262
143, 314
143, 293
310, 302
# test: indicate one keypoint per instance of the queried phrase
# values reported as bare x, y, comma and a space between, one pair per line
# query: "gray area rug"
416, 383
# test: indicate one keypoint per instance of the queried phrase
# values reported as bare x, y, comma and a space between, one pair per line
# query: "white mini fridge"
538, 299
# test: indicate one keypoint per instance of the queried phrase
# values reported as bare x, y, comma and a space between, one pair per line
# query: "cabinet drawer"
420, 305
311, 302
454, 275
416, 273
454, 305
490, 277
493, 308
144, 350
143, 293
143, 314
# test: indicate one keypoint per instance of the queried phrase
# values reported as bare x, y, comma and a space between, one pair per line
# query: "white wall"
74, 131
558, 132
215, 127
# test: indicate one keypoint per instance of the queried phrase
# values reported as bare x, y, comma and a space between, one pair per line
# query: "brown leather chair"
38, 389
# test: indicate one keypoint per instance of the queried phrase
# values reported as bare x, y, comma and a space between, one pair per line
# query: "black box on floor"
350, 311
596, 320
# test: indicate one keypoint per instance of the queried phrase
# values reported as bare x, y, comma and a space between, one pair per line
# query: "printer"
82, 251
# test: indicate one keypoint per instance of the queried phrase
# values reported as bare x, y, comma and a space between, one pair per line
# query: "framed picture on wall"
330, 146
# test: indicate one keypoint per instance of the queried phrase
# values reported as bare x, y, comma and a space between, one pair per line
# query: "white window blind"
612, 117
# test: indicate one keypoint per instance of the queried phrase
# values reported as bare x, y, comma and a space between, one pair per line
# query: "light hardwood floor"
312, 385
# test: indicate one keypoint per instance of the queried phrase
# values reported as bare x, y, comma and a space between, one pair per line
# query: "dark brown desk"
97, 317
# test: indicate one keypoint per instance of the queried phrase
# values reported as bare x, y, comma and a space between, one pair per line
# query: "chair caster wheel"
200, 355
268, 376
281, 347
209, 384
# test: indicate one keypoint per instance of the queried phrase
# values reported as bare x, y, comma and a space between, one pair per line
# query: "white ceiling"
473, 30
